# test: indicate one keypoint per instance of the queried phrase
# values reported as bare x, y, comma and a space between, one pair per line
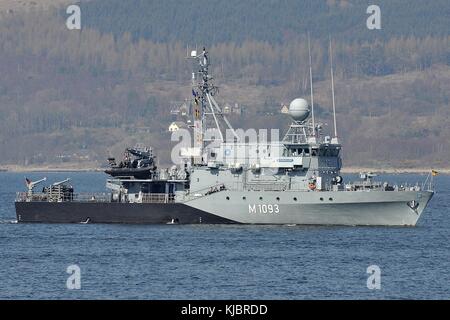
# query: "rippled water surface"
221, 262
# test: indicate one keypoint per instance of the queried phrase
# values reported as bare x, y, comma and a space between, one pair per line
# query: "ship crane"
60, 182
32, 184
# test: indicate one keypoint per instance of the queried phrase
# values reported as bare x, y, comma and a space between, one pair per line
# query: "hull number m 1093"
263, 208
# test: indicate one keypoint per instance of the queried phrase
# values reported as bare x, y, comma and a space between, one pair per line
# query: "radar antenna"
204, 91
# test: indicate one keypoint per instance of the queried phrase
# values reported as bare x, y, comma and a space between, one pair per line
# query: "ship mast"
312, 88
335, 140
206, 106
302, 130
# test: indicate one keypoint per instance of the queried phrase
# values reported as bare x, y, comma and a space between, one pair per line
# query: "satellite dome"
299, 109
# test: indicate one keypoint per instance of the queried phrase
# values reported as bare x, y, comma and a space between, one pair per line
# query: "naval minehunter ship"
293, 181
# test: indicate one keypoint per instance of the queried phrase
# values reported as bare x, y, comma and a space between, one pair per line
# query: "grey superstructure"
293, 180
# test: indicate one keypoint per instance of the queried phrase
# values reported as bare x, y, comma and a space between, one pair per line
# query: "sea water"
221, 262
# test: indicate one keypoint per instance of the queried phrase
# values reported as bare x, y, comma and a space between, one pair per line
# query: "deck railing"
92, 197
158, 198
79, 197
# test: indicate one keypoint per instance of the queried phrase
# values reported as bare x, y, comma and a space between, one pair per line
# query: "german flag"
434, 173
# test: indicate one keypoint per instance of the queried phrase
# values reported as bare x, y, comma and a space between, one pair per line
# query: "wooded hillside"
70, 96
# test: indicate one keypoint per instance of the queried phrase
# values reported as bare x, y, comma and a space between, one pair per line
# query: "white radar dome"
299, 109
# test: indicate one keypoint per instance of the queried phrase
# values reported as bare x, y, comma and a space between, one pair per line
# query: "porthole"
331, 199
260, 198
278, 198
244, 198
228, 198
321, 199
295, 199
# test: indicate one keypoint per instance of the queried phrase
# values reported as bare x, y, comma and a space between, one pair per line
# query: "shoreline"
399, 170
23, 169
347, 170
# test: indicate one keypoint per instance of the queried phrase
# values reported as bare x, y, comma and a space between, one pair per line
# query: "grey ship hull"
300, 208
359, 208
